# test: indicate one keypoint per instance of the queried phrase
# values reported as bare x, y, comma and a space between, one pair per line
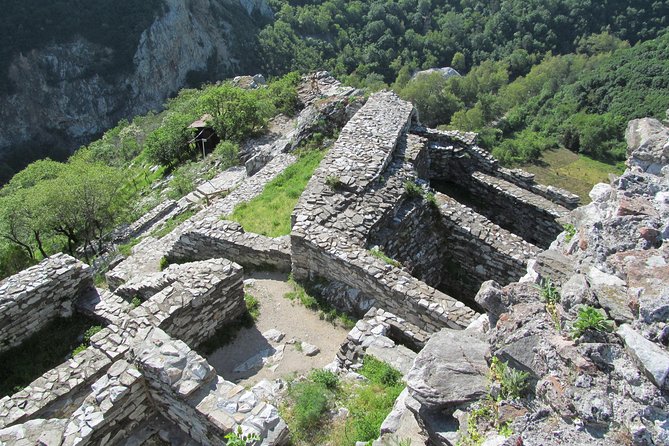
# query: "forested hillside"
380, 37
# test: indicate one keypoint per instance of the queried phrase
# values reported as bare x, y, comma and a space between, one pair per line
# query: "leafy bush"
514, 383
136, 302
379, 372
168, 144
228, 153
236, 113
590, 318
329, 379
183, 182
311, 402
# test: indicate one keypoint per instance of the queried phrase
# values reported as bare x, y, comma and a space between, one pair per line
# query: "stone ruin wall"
37, 295
212, 238
136, 370
371, 160
510, 198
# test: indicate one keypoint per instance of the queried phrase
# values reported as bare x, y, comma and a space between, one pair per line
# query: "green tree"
435, 105
458, 62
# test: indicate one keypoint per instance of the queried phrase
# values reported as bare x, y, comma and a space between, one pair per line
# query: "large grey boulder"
450, 370
446, 72
650, 357
648, 145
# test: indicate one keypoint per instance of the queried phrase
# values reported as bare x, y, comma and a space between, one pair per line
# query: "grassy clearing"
325, 311
311, 403
269, 213
171, 224
43, 351
573, 172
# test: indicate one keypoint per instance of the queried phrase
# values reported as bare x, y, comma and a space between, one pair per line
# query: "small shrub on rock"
239, 439
570, 230
252, 306
164, 263
590, 318
333, 182
412, 189
514, 383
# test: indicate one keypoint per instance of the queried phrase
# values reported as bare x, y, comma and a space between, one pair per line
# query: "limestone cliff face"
62, 99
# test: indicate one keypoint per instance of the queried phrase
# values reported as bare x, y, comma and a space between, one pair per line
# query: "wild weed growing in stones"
551, 297
333, 182
327, 378
412, 189
570, 230
252, 306
239, 439
514, 383
590, 318
376, 252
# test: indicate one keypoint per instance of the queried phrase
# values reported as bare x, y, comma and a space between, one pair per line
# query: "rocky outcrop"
597, 376
61, 99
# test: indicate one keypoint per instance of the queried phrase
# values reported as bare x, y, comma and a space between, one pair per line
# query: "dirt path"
252, 357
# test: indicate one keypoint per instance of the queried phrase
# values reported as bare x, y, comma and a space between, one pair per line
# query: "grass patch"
126, 248
172, 223
311, 402
311, 300
43, 351
252, 306
269, 213
376, 252
573, 172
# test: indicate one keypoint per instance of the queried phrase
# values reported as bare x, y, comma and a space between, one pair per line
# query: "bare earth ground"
250, 357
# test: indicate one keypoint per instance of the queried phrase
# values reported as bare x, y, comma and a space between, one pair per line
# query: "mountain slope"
63, 94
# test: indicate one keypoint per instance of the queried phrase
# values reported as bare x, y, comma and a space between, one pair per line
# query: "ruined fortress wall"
479, 247
58, 392
533, 218
510, 198
196, 300
119, 401
392, 288
31, 299
212, 238
187, 391
412, 237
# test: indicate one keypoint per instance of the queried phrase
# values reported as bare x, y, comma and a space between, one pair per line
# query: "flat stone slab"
650, 357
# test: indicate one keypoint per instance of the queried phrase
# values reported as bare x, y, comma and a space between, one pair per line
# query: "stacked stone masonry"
211, 237
359, 183
509, 198
135, 369
32, 298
